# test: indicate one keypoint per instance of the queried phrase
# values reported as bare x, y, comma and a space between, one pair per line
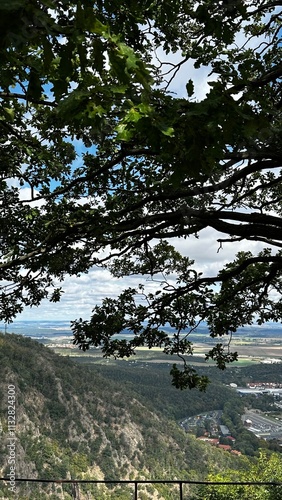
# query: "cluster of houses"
216, 442
260, 388
211, 422
224, 432
264, 385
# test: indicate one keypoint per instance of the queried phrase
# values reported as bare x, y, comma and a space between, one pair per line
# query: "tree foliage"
156, 168
267, 470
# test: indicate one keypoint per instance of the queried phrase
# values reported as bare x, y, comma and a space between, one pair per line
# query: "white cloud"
185, 72
80, 296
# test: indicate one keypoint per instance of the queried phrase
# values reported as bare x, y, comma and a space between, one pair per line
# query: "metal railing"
136, 482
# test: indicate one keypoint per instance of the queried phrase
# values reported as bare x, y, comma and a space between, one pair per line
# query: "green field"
250, 351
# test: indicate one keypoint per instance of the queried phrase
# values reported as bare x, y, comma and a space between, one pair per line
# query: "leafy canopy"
267, 470
156, 169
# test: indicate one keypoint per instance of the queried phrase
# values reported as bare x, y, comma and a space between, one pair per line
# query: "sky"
81, 294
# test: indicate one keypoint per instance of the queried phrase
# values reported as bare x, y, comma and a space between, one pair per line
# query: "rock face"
72, 423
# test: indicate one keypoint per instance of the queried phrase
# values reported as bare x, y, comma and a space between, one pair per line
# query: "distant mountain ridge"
36, 329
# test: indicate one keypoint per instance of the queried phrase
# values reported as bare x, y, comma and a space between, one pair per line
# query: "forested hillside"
152, 381
71, 422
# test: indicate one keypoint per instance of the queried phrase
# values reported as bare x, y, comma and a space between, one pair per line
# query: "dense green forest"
76, 421
265, 470
152, 383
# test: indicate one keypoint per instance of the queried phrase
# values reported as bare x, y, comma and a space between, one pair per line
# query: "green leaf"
190, 88
72, 104
133, 115
131, 58
48, 54
94, 111
124, 133
12, 4
59, 88
9, 113
66, 62
100, 28
80, 19
169, 131
34, 89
